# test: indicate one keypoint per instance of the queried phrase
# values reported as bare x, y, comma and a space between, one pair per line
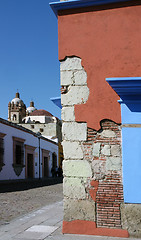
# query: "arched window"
14, 117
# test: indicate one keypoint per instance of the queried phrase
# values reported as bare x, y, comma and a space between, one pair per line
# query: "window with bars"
19, 153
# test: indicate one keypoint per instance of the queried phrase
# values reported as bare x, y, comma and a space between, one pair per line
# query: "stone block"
99, 169
131, 219
108, 134
79, 210
74, 188
75, 95
72, 150
96, 149
77, 168
113, 163
71, 63
68, 114
73, 131
106, 150
115, 150
80, 77
66, 78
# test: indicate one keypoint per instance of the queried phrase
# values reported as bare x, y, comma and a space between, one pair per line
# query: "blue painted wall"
131, 157
131, 112
129, 90
131, 151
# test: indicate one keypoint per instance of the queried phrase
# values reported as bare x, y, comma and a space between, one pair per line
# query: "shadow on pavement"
21, 185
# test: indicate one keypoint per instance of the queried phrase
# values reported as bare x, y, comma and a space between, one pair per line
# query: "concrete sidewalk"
43, 224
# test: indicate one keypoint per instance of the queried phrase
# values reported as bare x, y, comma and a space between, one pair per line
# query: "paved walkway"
43, 224
20, 199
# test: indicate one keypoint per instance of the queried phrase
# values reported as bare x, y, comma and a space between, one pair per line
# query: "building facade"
24, 154
99, 41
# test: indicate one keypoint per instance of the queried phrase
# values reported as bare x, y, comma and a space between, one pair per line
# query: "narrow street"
35, 212
17, 203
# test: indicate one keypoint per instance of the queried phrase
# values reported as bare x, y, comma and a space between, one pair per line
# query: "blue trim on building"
129, 90
56, 101
72, 4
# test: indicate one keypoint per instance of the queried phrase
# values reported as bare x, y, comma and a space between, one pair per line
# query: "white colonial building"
25, 154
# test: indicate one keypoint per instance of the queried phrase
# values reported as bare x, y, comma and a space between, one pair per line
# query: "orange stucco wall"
108, 41
89, 228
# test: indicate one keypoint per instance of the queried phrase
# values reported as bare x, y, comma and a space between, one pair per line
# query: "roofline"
72, 4
39, 110
19, 127
48, 140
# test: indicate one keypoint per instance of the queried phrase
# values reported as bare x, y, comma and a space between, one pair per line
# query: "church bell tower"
16, 109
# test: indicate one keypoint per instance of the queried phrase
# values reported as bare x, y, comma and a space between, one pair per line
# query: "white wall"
49, 129
41, 119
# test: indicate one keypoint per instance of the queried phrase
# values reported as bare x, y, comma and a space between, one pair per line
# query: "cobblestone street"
18, 203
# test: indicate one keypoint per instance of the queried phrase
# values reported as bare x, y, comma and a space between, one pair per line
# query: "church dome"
41, 112
17, 100
31, 108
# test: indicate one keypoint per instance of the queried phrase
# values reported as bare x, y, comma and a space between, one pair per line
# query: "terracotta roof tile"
41, 112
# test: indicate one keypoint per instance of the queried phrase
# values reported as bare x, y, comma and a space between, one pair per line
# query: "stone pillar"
76, 170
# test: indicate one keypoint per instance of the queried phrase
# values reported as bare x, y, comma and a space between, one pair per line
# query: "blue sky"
28, 54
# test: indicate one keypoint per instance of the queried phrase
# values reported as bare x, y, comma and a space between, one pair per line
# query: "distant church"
18, 113
32, 118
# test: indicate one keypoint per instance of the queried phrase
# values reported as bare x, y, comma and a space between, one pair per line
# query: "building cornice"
128, 88
73, 4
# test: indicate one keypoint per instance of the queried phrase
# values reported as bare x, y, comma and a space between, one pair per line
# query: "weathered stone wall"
47, 129
94, 180
104, 153
92, 163
131, 218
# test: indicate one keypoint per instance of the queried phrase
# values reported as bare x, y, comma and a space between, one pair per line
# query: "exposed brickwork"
105, 125
109, 198
108, 193
94, 136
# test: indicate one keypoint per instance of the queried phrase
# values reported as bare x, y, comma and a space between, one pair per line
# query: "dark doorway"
46, 170
54, 160
30, 166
